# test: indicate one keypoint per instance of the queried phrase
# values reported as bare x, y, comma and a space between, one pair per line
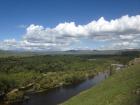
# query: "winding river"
61, 94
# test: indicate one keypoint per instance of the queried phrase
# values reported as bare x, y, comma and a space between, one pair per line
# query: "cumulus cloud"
123, 32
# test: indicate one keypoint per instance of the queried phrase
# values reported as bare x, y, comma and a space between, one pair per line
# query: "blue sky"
17, 15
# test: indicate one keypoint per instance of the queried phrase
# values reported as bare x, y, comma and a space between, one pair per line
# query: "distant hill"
5, 53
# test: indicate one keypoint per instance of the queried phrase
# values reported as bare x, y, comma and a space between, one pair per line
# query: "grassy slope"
119, 89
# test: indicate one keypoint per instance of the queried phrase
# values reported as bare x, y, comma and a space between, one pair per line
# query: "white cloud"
126, 36
8, 44
123, 32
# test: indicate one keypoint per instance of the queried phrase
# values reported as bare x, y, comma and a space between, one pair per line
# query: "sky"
50, 25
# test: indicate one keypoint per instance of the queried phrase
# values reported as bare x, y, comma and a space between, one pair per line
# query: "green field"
122, 88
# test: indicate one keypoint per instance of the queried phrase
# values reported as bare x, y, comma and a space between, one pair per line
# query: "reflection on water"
59, 95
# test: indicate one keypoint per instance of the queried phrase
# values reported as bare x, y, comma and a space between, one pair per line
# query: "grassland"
122, 88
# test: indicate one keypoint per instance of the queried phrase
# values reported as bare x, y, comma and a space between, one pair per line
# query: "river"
61, 94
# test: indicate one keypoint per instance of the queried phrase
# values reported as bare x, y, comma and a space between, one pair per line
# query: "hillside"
122, 88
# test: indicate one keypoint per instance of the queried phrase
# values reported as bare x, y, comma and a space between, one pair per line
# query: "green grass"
119, 89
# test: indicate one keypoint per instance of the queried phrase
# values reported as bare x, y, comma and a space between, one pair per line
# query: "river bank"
122, 88
64, 80
63, 93
46, 82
